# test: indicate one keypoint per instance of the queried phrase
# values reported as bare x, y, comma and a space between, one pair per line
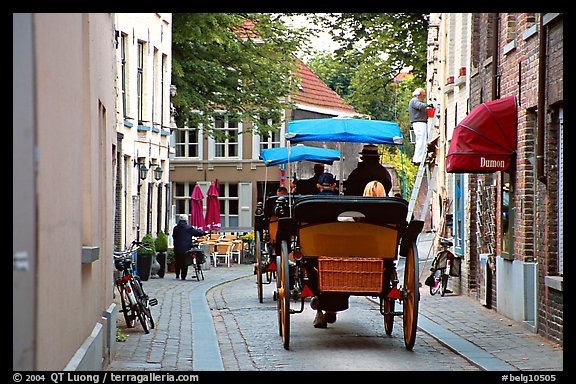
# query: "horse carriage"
334, 247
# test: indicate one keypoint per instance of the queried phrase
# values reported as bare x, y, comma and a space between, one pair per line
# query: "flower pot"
162, 259
144, 266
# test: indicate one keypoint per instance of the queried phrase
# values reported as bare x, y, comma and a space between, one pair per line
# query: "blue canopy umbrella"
282, 155
344, 129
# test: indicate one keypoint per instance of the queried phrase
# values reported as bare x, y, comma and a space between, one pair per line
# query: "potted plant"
171, 260
161, 244
145, 254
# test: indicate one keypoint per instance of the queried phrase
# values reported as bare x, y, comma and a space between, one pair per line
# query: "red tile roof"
313, 92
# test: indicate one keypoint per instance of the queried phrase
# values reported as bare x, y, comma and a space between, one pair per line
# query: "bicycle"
198, 259
135, 302
442, 266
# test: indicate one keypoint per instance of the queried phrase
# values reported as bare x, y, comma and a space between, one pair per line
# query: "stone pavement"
185, 338
486, 338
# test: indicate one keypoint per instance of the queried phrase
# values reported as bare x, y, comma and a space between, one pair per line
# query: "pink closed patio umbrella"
212, 209
196, 211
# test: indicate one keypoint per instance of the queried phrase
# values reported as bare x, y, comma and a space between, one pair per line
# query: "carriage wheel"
258, 251
284, 296
388, 319
410, 315
278, 303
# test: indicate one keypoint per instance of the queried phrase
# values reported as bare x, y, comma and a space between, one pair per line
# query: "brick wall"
536, 203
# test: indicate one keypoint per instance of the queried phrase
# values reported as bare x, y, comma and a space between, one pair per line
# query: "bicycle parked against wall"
444, 265
135, 302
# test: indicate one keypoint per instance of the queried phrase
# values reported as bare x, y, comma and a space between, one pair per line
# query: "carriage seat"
326, 208
350, 226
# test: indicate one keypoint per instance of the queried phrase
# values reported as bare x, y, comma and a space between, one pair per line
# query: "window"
182, 192
272, 139
140, 82
229, 205
226, 144
123, 74
188, 142
458, 218
507, 217
162, 90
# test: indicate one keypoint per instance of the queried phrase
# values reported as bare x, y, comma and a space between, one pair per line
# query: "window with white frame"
182, 192
188, 142
226, 138
272, 139
229, 204
123, 73
140, 82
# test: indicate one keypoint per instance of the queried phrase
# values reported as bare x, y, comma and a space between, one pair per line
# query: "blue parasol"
282, 155
344, 129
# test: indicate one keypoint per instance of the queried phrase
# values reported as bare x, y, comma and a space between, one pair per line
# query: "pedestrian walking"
419, 119
182, 235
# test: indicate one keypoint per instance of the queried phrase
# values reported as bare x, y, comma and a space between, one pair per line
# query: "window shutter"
245, 204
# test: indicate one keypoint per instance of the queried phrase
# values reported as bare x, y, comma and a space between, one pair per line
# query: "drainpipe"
541, 101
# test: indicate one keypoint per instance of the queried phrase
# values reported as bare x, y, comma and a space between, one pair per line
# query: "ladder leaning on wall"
423, 171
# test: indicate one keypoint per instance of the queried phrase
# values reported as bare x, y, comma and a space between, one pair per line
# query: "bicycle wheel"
127, 307
434, 289
199, 272
144, 314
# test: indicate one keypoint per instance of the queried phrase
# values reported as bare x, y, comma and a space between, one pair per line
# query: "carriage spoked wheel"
388, 319
283, 296
412, 297
259, 267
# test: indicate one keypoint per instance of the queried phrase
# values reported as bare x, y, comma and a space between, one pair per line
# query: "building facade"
143, 61
508, 226
64, 317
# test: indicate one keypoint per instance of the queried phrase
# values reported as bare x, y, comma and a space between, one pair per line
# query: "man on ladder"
417, 111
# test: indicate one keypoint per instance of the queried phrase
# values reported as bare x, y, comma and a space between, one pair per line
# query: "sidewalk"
486, 338
184, 338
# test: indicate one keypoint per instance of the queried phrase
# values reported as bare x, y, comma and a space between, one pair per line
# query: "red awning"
485, 140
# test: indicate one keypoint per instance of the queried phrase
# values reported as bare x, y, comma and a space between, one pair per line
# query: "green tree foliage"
238, 63
374, 49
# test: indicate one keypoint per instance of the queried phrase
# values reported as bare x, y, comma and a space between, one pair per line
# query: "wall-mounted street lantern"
157, 171
142, 170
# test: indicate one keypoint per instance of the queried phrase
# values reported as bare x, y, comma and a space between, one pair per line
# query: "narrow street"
249, 337
218, 324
